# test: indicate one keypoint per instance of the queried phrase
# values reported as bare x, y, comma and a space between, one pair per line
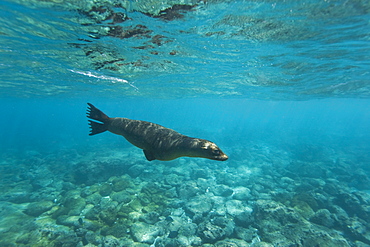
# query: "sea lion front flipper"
149, 155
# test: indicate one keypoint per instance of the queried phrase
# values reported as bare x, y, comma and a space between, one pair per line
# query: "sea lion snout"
222, 157
219, 155
212, 151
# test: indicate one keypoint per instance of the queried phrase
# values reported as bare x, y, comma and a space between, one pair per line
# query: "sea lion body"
157, 142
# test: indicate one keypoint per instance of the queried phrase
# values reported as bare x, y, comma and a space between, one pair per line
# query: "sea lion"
157, 142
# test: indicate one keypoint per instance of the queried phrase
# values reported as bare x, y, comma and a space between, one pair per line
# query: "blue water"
281, 87
36, 123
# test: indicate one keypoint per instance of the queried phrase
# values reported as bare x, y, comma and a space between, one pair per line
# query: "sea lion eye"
216, 152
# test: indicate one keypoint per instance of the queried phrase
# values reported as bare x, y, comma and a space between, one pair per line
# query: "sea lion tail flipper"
97, 128
96, 114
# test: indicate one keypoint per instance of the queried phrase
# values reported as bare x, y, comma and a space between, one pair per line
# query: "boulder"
37, 208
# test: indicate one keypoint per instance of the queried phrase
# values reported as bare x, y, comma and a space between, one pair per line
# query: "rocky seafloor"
262, 196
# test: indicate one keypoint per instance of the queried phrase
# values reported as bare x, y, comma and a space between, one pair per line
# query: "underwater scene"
146, 123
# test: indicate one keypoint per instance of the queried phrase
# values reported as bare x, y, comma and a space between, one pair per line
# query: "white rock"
236, 207
144, 233
241, 193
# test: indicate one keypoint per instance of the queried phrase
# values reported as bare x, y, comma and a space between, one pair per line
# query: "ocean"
281, 87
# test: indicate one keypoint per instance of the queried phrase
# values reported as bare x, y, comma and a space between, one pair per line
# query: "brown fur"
156, 141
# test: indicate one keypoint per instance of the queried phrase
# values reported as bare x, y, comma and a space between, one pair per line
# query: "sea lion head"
211, 151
